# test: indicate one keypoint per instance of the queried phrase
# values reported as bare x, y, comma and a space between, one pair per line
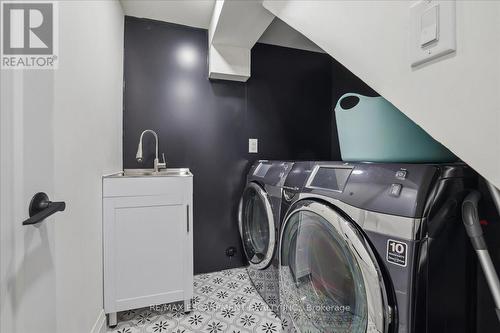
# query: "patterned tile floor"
223, 302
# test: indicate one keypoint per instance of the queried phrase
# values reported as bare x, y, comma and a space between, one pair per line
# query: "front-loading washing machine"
259, 216
376, 248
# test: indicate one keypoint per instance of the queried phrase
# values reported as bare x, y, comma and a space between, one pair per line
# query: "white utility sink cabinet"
148, 240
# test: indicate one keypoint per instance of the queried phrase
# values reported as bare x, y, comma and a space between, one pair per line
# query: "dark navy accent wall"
200, 125
205, 125
289, 103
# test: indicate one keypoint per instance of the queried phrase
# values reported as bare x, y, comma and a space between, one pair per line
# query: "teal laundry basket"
372, 130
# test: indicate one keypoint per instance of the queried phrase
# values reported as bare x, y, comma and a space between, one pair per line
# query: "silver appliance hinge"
390, 313
187, 206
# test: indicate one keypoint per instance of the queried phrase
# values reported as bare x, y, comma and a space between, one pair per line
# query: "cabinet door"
145, 249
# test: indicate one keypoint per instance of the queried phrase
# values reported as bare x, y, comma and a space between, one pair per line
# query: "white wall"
88, 144
456, 99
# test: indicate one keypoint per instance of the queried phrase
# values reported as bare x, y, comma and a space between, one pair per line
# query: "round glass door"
257, 226
330, 280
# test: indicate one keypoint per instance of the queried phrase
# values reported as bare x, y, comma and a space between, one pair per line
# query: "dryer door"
257, 226
329, 278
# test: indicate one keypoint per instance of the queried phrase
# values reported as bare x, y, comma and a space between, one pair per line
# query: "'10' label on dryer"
397, 252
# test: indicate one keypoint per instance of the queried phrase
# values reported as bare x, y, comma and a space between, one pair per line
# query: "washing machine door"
257, 228
330, 279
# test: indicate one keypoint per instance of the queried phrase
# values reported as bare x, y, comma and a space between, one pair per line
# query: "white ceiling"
193, 13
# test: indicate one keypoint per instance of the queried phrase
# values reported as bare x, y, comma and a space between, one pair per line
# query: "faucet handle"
162, 165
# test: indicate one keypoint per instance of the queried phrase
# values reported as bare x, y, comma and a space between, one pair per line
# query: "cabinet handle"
187, 206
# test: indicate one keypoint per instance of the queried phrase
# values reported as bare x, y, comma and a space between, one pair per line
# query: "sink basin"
170, 172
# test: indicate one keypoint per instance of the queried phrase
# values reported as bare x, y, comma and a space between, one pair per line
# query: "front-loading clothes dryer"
376, 248
259, 216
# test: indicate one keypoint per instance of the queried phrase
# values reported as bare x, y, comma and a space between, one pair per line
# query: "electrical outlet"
253, 146
230, 251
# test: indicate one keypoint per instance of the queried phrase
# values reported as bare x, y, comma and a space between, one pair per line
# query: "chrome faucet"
138, 156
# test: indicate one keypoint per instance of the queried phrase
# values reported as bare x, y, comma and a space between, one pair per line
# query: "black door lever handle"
41, 208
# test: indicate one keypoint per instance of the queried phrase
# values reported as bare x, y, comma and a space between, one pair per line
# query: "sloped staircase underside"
455, 99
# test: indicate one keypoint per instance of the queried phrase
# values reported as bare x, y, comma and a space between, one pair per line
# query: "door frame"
10, 122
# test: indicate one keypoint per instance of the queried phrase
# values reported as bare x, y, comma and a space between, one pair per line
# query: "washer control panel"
390, 188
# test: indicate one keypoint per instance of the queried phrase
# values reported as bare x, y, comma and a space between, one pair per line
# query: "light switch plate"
426, 42
253, 146
429, 25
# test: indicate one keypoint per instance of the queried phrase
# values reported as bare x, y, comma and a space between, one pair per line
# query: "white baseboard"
100, 323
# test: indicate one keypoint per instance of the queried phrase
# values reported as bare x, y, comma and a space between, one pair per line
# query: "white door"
27, 269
